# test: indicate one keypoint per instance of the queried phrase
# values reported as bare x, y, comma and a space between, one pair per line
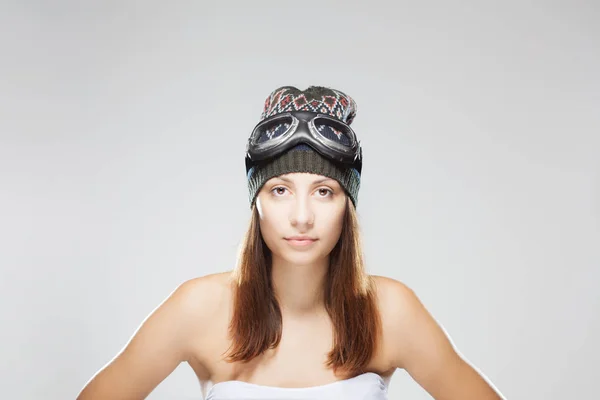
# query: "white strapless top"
367, 386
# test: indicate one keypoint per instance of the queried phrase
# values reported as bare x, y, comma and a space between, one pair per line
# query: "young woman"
298, 317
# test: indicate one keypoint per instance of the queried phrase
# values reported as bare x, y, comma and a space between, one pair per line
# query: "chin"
307, 258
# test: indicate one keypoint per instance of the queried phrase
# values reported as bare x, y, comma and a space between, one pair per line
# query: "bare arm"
158, 346
421, 347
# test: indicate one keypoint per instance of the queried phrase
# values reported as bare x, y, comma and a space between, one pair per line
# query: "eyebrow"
314, 182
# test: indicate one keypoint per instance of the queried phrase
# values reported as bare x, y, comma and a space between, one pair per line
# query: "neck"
299, 289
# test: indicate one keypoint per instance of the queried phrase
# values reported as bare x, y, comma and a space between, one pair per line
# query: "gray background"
123, 126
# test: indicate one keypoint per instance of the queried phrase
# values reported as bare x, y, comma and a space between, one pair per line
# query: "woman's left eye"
327, 191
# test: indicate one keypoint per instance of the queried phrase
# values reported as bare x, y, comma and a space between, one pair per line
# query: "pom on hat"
316, 99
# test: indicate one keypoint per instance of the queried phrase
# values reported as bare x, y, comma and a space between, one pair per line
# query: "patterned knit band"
303, 158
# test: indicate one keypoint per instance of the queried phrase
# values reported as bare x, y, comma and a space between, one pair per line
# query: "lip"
300, 241
300, 238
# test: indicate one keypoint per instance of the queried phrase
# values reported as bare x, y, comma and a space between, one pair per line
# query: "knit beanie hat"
303, 158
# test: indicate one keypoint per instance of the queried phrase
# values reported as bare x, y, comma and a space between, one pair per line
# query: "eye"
325, 192
277, 190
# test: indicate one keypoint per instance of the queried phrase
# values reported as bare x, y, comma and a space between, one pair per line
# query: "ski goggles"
327, 135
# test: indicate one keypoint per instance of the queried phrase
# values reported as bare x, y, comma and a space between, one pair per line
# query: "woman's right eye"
276, 190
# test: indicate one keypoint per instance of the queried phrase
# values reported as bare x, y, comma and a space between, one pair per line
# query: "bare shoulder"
403, 316
386, 284
395, 298
414, 341
165, 338
204, 295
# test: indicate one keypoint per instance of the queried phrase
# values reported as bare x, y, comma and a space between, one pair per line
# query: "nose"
301, 213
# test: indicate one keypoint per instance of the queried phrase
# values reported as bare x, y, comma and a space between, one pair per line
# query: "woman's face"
301, 204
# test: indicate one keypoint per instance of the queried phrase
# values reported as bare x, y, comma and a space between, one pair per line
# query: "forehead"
303, 178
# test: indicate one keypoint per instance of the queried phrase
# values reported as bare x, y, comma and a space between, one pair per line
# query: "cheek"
333, 223
269, 230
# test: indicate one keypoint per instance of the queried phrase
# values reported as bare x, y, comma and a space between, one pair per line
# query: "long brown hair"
350, 300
